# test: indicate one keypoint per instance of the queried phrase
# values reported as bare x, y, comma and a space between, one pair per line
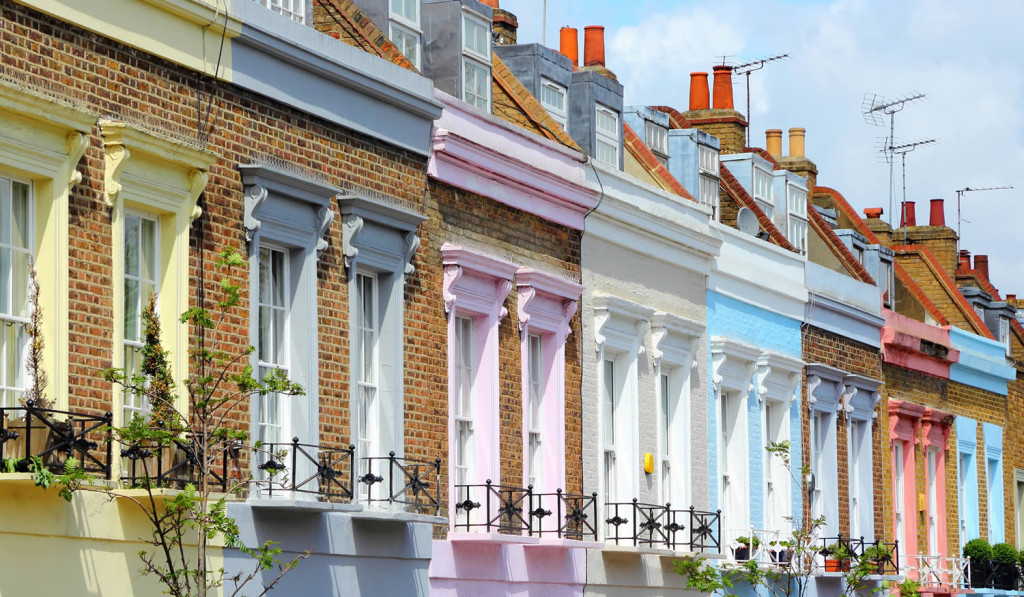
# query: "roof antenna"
959, 194
874, 108
746, 69
902, 150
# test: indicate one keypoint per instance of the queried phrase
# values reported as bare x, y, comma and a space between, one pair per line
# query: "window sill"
462, 536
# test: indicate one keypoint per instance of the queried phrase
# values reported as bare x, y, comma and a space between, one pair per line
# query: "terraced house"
549, 343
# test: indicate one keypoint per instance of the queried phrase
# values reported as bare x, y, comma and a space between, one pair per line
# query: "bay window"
554, 98
606, 149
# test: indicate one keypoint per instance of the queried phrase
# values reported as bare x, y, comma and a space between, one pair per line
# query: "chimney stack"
981, 265
873, 213
723, 87
796, 142
593, 45
700, 98
965, 261
569, 44
909, 215
504, 24
773, 142
938, 215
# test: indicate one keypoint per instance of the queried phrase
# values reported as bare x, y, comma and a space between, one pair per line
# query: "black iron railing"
881, 558
564, 515
415, 484
493, 508
637, 524
332, 478
53, 436
694, 530
174, 465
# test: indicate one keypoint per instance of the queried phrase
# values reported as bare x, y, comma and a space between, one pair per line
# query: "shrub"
978, 549
1004, 553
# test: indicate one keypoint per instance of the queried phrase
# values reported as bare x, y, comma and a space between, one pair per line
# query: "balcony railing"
411, 483
494, 509
839, 554
173, 466
638, 524
694, 530
53, 436
574, 516
759, 545
935, 570
331, 478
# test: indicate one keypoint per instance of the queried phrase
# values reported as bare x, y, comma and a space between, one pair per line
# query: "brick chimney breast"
700, 97
981, 265
773, 142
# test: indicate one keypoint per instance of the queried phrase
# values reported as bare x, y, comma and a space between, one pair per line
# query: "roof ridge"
675, 117
764, 154
646, 157
949, 285
837, 246
537, 114
740, 195
858, 222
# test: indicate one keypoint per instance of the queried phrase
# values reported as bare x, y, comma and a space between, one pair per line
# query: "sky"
966, 57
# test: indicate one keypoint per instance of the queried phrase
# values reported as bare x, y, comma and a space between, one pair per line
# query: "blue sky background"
968, 57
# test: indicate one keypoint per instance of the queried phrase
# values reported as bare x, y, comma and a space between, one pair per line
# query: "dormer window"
796, 199
607, 125
763, 194
887, 284
1004, 333
707, 160
553, 97
476, 62
293, 9
404, 28
656, 137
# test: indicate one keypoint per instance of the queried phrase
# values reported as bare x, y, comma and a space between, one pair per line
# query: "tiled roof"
361, 31
528, 104
743, 199
987, 286
675, 117
648, 160
948, 286
839, 249
901, 274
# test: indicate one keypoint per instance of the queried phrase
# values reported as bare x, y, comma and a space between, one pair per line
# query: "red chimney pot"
722, 99
965, 261
909, 215
1011, 297
569, 44
491, 3
981, 265
593, 45
700, 98
873, 213
938, 215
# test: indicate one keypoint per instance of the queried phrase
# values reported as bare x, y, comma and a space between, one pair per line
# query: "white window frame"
367, 416
763, 186
656, 137
1004, 334
14, 379
466, 367
899, 458
1018, 506
281, 430
708, 178
620, 330
399, 24
796, 199
560, 114
293, 9
472, 58
133, 403
778, 384
609, 138
932, 491
534, 408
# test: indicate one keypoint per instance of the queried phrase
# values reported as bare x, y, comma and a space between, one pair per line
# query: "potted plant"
837, 557
747, 547
781, 551
878, 556
979, 553
1004, 566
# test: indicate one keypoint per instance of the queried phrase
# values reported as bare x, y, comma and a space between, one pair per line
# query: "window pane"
277, 285
553, 96
265, 337
265, 277
608, 412
131, 245
148, 249
477, 85
5, 209
20, 207
19, 284
666, 413
131, 310
606, 122
606, 153
477, 39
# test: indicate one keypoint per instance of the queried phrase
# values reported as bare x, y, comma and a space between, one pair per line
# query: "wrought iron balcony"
53, 436
563, 515
411, 483
330, 476
494, 508
839, 554
173, 466
638, 524
694, 530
